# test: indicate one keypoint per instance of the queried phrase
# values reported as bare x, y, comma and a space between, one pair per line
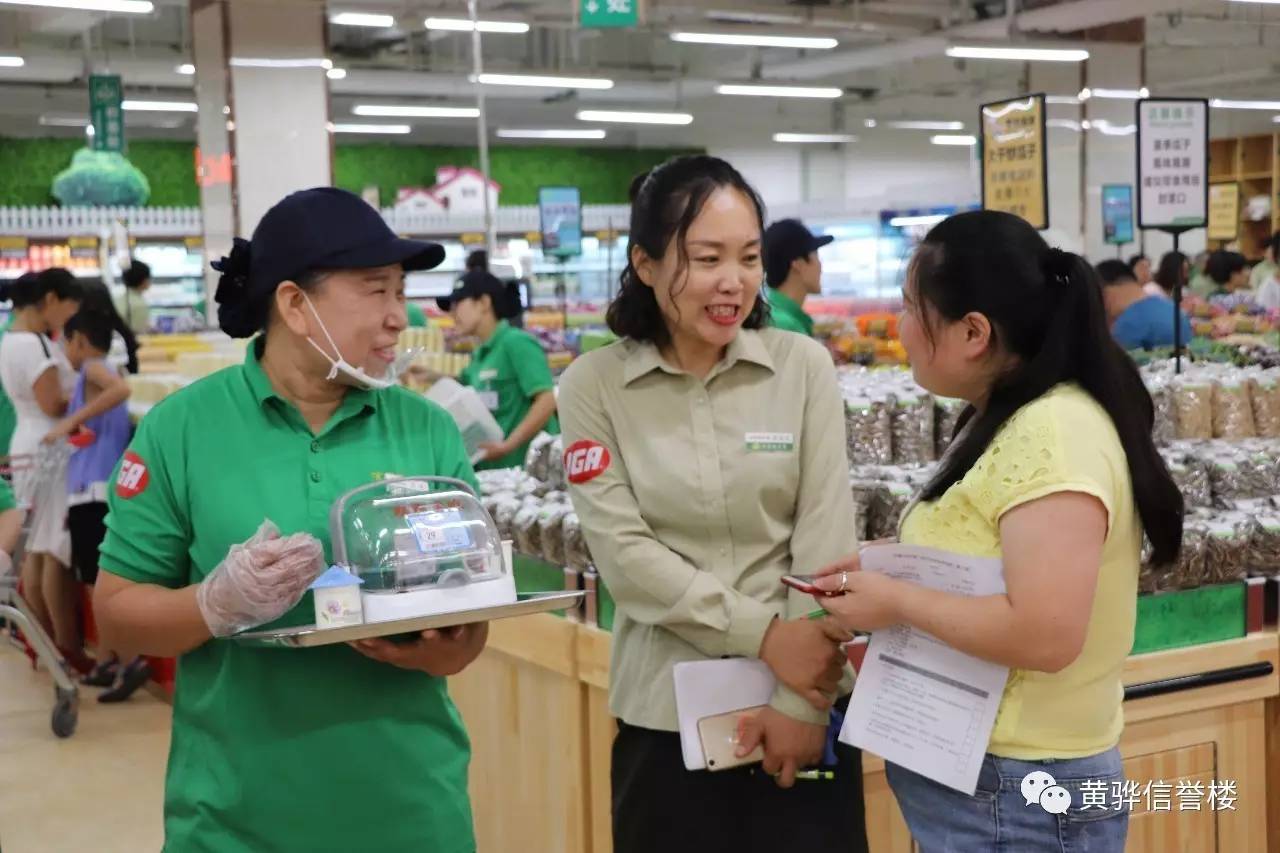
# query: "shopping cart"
49, 466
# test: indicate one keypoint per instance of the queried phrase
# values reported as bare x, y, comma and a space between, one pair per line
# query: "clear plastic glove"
259, 580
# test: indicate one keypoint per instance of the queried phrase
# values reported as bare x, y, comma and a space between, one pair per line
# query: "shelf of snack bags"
20, 254
1218, 427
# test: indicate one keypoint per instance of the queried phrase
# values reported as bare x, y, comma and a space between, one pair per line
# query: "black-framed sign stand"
1174, 230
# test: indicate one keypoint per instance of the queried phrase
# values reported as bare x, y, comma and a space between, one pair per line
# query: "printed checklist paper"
918, 703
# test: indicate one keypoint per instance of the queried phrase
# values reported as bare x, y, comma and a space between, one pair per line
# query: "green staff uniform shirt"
135, 310
788, 315
508, 371
317, 749
697, 496
8, 417
417, 319
1263, 271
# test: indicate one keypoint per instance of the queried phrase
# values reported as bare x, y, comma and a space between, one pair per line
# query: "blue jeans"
998, 818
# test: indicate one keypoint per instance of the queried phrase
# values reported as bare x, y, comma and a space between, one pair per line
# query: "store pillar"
263, 122
1058, 82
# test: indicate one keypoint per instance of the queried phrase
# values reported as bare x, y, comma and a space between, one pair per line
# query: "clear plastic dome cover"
415, 534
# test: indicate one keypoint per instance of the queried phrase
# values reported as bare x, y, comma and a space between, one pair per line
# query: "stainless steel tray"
306, 636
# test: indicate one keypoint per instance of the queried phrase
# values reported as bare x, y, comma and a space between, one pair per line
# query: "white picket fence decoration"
56, 222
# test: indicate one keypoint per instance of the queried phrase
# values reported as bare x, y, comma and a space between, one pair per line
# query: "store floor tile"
100, 790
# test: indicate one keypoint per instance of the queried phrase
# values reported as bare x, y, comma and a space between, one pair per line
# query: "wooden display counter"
536, 706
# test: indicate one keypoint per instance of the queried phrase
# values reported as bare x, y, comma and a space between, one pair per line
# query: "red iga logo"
585, 460
133, 477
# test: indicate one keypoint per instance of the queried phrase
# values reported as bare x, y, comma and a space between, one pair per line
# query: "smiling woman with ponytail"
1054, 472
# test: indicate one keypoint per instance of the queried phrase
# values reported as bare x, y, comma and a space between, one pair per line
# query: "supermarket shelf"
7, 275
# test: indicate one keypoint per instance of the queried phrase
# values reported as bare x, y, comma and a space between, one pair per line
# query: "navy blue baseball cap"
784, 241
316, 229
473, 285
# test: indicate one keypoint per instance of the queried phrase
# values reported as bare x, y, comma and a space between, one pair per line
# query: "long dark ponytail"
1045, 307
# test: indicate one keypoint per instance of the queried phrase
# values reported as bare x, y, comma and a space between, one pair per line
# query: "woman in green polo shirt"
509, 369
336, 748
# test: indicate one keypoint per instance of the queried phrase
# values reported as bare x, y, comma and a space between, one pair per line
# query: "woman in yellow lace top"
1053, 470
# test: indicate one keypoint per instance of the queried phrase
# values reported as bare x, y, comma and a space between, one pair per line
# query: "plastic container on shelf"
474, 420
420, 546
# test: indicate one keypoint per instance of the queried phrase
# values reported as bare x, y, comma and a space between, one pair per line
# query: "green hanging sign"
105, 96
609, 13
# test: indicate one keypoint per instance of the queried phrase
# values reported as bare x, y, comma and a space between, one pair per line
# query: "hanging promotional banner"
1015, 167
105, 114
560, 218
1173, 163
1224, 211
1117, 214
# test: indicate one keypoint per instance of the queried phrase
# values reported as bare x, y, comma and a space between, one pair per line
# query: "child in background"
98, 422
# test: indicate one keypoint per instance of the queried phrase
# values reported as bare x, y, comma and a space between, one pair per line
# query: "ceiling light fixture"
533, 133
336, 73
629, 117
731, 17
927, 125
398, 129
395, 111
1025, 54
186, 69
954, 139
12, 62
159, 106
833, 138
543, 81
925, 219
63, 121
1062, 100
1223, 104
743, 40
1114, 94
779, 91
464, 25
363, 19
869, 123
261, 62
127, 7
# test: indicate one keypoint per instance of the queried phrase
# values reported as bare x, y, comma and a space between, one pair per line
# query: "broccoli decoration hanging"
101, 179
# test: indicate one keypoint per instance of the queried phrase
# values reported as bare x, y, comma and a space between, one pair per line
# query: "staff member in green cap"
793, 272
509, 369
219, 523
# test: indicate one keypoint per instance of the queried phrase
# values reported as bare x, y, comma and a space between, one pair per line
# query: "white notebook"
705, 688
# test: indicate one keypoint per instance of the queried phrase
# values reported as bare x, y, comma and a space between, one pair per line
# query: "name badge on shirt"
487, 374
490, 400
770, 442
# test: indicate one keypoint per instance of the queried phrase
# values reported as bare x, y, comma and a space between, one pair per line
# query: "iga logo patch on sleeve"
133, 477
585, 460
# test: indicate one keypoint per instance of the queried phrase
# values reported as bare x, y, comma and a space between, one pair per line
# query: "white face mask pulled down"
342, 370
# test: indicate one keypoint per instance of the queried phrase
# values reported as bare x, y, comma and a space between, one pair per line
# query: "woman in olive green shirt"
335, 748
706, 459
509, 370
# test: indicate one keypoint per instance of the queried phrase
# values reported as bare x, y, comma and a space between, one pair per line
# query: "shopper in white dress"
31, 371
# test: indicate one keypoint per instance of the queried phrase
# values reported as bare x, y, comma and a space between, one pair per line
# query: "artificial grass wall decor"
602, 174
28, 167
